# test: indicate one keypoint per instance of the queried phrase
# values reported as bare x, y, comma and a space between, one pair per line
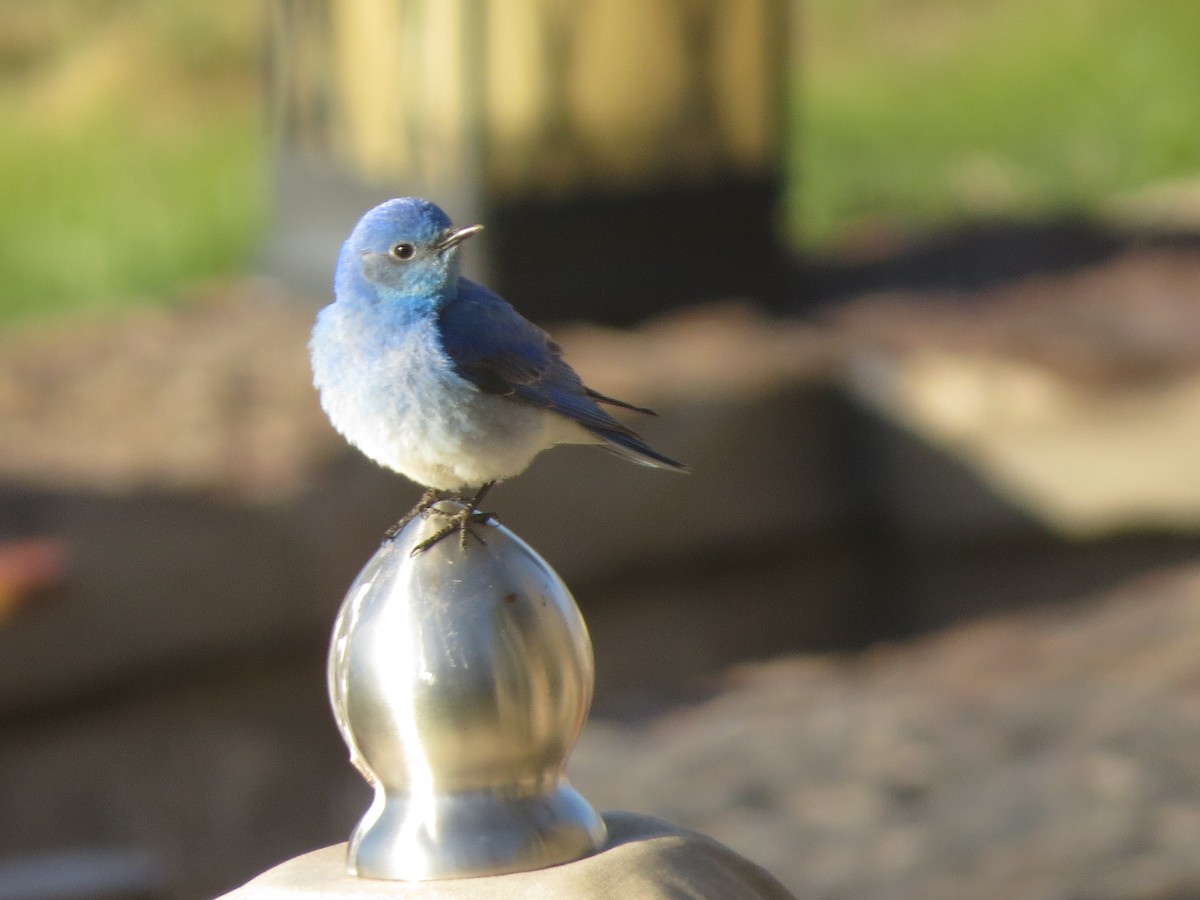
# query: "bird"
440, 379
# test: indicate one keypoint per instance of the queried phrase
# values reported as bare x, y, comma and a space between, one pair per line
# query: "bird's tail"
613, 401
630, 446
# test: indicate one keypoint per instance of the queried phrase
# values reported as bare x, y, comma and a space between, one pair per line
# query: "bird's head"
405, 248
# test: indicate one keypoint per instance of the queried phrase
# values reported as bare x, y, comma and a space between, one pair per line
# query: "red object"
27, 568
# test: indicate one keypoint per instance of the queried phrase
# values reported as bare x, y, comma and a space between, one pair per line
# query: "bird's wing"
489, 342
500, 352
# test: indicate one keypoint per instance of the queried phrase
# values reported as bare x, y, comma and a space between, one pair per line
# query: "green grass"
132, 158
919, 112
114, 212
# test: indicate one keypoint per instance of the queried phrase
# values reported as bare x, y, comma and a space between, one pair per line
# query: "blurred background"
914, 284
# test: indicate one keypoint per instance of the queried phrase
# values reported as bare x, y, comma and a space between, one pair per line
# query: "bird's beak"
456, 236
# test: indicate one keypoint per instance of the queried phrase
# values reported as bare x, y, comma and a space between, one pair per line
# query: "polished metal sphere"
460, 679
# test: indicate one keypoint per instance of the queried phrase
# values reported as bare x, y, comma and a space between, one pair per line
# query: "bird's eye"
404, 250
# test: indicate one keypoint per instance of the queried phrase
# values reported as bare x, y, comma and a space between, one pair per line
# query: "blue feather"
502, 353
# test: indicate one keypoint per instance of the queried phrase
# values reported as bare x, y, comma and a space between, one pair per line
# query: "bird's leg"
461, 522
427, 500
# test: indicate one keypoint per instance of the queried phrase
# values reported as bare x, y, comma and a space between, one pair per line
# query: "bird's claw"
428, 499
461, 522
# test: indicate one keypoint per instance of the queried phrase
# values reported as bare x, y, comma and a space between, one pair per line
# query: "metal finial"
460, 681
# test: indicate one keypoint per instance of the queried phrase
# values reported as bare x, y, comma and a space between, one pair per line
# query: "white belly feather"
405, 407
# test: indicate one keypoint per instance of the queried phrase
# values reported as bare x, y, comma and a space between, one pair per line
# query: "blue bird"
435, 377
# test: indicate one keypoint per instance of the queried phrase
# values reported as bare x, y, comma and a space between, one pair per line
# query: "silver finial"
460, 681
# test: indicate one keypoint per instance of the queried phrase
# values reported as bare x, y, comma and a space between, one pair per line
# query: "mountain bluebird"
438, 378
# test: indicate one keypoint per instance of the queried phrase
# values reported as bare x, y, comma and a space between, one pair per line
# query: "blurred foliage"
132, 157
923, 111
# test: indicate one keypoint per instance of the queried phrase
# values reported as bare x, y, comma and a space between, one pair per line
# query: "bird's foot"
422, 508
461, 522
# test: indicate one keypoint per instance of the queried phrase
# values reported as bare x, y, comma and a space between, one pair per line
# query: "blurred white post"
626, 155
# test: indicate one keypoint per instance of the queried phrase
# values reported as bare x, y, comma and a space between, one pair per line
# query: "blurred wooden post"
625, 154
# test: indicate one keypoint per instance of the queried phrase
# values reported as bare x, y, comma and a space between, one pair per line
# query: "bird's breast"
394, 394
